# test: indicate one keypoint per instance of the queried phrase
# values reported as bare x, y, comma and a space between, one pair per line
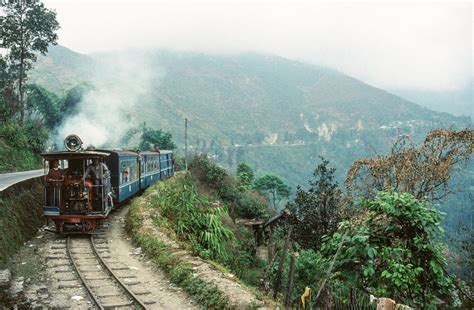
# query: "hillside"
275, 113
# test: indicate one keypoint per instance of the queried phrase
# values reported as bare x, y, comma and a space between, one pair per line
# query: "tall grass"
194, 218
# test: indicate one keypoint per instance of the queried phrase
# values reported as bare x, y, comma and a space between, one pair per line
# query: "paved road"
8, 179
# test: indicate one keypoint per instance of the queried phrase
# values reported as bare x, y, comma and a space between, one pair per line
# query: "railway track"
106, 288
84, 262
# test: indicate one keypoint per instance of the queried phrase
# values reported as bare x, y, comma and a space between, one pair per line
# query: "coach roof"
79, 154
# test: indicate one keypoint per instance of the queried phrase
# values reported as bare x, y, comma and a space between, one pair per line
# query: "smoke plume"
107, 112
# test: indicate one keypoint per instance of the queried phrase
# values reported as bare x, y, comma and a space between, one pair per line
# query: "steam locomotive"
77, 197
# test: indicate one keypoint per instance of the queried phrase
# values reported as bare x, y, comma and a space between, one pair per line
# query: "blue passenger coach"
125, 174
132, 172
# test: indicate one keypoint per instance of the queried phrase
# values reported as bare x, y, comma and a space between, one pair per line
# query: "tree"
8, 97
43, 105
316, 211
27, 28
47, 108
274, 188
72, 98
151, 138
394, 250
245, 175
423, 172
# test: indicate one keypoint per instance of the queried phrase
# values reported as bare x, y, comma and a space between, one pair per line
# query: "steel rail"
89, 290
123, 285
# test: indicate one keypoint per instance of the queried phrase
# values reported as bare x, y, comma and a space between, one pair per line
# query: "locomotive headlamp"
73, 143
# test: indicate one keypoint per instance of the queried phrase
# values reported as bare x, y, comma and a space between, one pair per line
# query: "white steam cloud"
107, 112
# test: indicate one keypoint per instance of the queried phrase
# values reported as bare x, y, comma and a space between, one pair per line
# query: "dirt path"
47, 276
166, 295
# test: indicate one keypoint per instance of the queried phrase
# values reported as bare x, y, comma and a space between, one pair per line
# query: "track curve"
90, 261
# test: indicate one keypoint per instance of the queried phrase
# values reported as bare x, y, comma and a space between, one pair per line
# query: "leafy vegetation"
391, 244
28, 28
242, 202
393, 250
274, 187
194, 218
151, 139
317, 211
203, 292
245, 175
23, 142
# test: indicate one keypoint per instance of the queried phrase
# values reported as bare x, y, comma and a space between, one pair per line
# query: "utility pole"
186, 143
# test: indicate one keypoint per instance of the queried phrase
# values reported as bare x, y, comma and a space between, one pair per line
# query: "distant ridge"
254, 107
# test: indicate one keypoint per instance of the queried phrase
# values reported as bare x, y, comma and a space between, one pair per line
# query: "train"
82, 186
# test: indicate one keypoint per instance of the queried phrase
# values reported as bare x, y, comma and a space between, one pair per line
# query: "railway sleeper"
117, 305
59, 265
149, 302
108, 295
120, 268
63, 286
104, 285
92, 257
58, 252
86, 265
90, 271
63, 271
68, 279
131, 282
55, 257
142, 292
127, 276
95, 278
85, 252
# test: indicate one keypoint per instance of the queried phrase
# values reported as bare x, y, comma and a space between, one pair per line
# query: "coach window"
133, 170
142, 166
149, 166
124, 172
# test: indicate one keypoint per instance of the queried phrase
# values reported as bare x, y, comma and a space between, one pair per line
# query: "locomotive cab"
76, 197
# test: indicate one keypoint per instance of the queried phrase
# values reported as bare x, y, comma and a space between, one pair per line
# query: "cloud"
389, 45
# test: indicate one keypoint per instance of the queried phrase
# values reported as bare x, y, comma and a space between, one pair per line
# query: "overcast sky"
405, 45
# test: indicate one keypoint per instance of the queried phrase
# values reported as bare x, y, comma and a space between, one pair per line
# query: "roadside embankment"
20, 216
209, 285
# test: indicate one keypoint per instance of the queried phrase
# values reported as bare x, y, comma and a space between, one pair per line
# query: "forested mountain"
279, 115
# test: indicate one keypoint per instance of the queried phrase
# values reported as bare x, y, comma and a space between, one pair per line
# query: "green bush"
207, 171
251, 205
21, 145
394, 251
